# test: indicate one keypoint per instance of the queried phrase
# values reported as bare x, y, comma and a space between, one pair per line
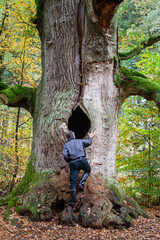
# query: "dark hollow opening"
79, 123
58, 207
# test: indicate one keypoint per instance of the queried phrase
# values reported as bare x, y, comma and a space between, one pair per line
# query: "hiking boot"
81, 187
83, 180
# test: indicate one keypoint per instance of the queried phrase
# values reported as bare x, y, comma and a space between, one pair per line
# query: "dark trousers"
75, 167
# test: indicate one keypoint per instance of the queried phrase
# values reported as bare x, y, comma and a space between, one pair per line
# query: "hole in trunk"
58, 207
79, 123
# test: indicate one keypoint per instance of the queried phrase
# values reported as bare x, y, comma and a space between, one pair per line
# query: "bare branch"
3, 23
24, 122
138, 50
19, 96
135, 83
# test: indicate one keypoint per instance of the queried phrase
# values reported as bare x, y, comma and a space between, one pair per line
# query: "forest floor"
26, 229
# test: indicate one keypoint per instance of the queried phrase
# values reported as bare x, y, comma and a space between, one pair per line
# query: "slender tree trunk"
149, 165
16, 167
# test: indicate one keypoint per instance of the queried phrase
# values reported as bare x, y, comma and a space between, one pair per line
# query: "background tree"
20, 64
138, 151
139, 123
82, 88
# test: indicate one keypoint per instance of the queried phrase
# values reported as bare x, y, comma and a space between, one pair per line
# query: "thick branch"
135, 83
137, 50
19, 96
104, 10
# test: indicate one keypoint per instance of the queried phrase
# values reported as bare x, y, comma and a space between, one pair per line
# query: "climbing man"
74, 153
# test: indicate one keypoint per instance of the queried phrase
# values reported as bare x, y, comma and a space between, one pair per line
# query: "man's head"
70, 134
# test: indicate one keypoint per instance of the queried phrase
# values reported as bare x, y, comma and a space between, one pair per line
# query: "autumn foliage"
20, 63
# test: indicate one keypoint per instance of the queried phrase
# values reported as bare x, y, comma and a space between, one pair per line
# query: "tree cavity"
79, 123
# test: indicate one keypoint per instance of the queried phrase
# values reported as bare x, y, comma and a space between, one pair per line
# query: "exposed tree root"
99, 205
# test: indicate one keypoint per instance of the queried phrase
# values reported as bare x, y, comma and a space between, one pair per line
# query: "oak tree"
82, 88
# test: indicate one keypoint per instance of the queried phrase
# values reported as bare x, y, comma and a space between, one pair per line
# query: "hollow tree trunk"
78, 76
77, 91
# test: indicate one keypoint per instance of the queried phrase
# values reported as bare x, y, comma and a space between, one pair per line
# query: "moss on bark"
137, 50
114, 186
18, 92
130, 72
19, 96
135, 83
139, 80
118, 80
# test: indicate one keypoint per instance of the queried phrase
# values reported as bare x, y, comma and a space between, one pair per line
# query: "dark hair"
70, 134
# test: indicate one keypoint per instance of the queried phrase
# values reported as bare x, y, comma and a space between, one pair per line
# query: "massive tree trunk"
78, 73
82, 88
78, 93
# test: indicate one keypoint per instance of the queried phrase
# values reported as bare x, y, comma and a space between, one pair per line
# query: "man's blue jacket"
74, 148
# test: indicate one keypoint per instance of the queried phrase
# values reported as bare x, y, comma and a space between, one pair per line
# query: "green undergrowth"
26, 185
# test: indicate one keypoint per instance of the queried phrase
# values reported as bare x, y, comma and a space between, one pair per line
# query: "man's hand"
91, 135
